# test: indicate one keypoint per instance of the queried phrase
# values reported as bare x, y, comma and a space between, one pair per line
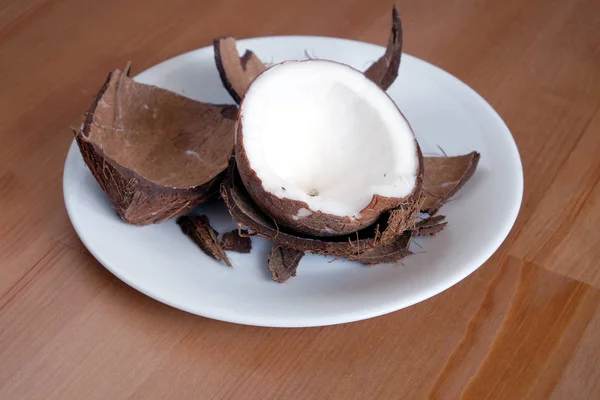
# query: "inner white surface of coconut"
320, 132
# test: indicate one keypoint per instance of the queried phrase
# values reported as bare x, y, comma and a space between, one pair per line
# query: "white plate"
161, 262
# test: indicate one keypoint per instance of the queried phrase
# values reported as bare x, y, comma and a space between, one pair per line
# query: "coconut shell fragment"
444, 176
237, 240
385, 70
430, 226
236, 72
156, 154
198, 228
283, 262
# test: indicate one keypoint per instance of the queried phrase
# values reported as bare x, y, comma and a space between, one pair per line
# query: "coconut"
199, 229
323, 150
156, 154
385, 70
236, 73
236, 240
283, 262
444, 176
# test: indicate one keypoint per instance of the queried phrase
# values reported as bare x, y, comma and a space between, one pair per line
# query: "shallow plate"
161, 262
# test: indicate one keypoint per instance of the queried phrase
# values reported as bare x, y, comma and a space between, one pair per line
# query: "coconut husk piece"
283, 262
430, 226
363, 246
385, 70
401, 219
444, 176
198, 228
156, 154
236, 72
237, 240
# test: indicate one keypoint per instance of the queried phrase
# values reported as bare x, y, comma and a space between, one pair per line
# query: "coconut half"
323, 150
156, 154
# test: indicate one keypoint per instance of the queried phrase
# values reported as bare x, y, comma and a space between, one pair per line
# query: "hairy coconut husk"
198, 228
402, 218
156, 154
385, 70
237, 240
363, 246
317, 223
283, 262
444, 176
236, 72
430, 226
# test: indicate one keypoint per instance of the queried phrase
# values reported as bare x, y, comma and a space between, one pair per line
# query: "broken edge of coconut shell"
430, 226
385, 70
236, 72
283, 262
237, 240
363, 246
444, 176
198, 229
137, 199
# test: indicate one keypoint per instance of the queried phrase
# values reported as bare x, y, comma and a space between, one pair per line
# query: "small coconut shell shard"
236, 72
283, 262
385, 70
430, 226
237, 241
198, 229
156, 154
444, 176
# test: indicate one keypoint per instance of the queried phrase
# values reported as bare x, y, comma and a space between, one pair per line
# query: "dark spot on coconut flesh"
313, 193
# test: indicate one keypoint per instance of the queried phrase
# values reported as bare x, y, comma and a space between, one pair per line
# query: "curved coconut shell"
236, 73
283, 262
299, 217
385, 70
198, 228
430, 226
444, 176
156, 154
237, 240
363, 246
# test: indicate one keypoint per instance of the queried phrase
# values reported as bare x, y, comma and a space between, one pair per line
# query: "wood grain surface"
526, 325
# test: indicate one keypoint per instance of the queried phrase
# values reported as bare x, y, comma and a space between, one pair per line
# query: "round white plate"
161, 262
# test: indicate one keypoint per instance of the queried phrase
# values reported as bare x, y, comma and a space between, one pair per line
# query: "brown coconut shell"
198, 229
283, 262
317, 223
430, 226
364, 246
236, 240
444, 176
156, 154
236, 72
385, 70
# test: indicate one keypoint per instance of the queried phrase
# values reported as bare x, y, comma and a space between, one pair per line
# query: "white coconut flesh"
321, 133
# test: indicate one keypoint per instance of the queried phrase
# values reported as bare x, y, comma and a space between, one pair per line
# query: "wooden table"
525, 325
